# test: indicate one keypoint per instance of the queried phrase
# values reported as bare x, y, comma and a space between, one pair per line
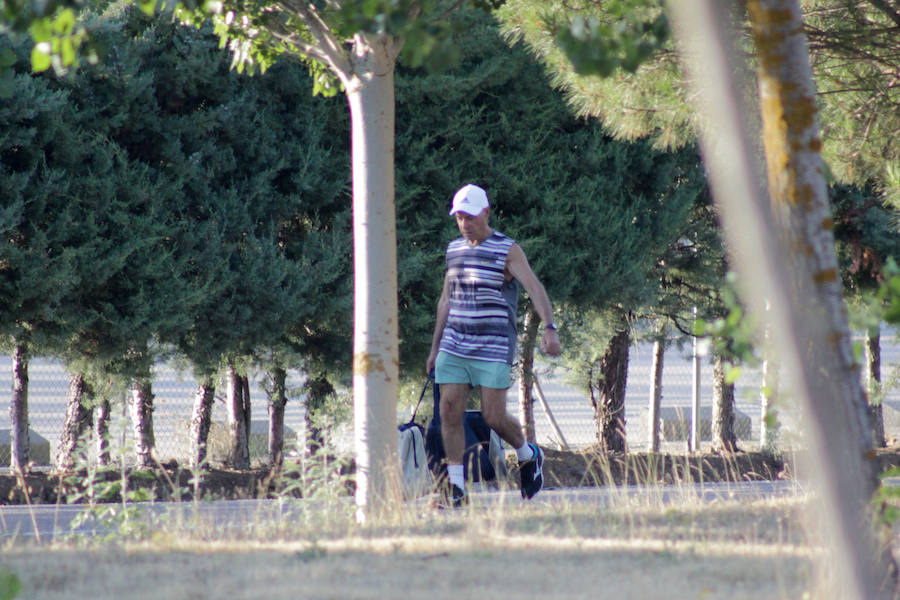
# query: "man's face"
474, 229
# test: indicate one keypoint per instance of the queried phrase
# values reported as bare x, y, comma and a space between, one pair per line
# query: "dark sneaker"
531, 474
450, 496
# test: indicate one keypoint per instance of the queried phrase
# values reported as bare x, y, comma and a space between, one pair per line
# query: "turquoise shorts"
449, 368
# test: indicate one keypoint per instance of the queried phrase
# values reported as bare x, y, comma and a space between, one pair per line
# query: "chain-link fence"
571, 410
568, 404
173, 392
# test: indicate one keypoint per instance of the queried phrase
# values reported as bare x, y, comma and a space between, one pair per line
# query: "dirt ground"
726, 551
439, 567
581, 468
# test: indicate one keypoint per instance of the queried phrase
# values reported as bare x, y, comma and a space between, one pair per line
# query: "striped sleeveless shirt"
482, 320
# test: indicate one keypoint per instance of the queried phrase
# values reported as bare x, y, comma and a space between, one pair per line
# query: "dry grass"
721, 550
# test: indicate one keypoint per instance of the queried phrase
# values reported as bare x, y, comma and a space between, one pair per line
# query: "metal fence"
173, 402
569, 405
572, 411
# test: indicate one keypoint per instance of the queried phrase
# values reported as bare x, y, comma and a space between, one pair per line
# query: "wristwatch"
551, 326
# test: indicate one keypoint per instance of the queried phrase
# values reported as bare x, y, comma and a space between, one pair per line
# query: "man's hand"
429, 364
550, 343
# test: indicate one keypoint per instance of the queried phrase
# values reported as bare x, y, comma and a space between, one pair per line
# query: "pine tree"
48, 165
865, 237
855, 54
853, 51
135, 254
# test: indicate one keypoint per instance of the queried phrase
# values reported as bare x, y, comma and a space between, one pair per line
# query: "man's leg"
453, 407
531, 458
493, 408
452, 490
453, 377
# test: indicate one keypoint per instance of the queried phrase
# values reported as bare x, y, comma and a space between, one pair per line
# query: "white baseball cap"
470, 199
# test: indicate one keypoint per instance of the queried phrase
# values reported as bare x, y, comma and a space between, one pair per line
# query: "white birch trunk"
370, 92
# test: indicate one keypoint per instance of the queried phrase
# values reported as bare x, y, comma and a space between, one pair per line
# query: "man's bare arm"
517, 266
443, 311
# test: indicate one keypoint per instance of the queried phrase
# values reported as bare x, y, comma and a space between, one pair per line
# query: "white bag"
417, 479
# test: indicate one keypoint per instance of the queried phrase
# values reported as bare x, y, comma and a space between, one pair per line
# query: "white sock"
457, 477
525, 452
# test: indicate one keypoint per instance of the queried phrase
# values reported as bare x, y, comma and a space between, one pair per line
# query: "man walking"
474, 341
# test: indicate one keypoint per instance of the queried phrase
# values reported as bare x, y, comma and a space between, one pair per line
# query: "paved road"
44, 522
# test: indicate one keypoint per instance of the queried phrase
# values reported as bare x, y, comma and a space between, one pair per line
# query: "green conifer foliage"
203, 210
646, 100
866, 239
853, 50
855, 54
39, 150
592, 214
261, 203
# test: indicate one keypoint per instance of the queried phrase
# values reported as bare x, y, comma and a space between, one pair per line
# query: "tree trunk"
807, 309
526, 374
76, 425
245, 385
841, 435
317, 391
102, 413
802, 210
873, 381
769, 425
723, 437
609, 401
277, 401
201, 418
238, 423
370, 92
656, 374
141, 405
19, 442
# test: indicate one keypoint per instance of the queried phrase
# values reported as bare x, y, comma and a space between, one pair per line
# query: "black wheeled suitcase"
484, 459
